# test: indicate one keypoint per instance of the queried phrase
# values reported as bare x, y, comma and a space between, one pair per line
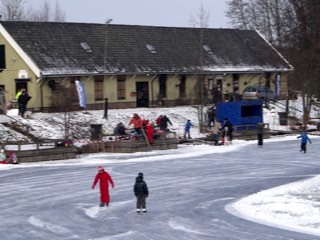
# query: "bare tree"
59, 14
41, 15
306, 51
16, 10
201, 19
267, 16
13, 10
294, 27
238, 13
46, 13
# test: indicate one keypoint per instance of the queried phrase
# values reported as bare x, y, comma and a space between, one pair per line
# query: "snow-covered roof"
82, 48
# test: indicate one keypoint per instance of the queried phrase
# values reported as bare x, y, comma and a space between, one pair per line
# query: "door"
21, 85
142, 89
219, 90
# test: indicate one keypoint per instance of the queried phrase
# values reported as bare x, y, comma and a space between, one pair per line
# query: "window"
182, 86
98, 88
2, 57
86, 47
163, 86
207, 49
121, 87
235, 82
151, 48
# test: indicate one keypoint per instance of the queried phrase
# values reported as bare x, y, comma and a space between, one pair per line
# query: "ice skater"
141, 192
304, 140
260, 128
104, 179
187, 127
227, 130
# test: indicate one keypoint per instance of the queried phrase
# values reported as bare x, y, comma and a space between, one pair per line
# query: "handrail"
28, 127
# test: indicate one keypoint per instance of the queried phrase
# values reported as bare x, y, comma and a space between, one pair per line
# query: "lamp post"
108, 21
201, 84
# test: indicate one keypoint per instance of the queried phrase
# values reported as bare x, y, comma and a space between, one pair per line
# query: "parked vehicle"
258, 92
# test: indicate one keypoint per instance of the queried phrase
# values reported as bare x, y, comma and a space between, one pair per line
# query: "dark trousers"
22, 109
303, 147
260, 139
141, 201
137, 130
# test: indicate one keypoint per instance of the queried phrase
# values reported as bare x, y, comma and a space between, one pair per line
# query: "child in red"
104, 179
150, 132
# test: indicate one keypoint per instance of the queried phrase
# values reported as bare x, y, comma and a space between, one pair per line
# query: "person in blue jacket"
304, 140
187, 127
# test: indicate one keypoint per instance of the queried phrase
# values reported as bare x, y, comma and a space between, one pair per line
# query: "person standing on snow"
227, 130
150, 132
187, 127
164, 123
137, 123
260, 129
104, 179
215, 131
141, 192
304, 140
22, 102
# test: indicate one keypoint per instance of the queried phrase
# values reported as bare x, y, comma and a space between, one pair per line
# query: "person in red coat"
150, 132
137, 123
104, 179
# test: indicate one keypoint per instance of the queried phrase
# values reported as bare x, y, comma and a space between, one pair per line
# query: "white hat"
100, 168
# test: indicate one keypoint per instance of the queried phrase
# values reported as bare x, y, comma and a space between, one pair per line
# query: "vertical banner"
81, 94
277, 85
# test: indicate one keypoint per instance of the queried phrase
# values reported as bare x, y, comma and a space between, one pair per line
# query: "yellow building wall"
14, 64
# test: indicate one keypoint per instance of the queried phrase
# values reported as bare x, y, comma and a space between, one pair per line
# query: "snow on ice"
294, 206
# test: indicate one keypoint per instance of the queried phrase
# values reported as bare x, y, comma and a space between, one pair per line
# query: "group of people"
304, 138
140, 189
225, 129
152, 130
10, 159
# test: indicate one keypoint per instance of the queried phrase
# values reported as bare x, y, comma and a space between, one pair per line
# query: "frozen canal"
188, 194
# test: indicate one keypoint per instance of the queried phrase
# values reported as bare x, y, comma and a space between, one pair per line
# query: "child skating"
304, 140
141, 192
187, 127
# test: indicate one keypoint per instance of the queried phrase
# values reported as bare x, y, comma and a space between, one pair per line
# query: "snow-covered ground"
53, 125
196, 191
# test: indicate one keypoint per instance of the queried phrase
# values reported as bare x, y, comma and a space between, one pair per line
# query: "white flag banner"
81, 94
277, 87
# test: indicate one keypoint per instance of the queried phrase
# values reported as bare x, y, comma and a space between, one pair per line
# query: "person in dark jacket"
260, 127
227, 130
120, 129
23, 100
304, 140
164, 123
141, 192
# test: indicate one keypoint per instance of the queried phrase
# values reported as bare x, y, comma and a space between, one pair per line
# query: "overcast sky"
176, 13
